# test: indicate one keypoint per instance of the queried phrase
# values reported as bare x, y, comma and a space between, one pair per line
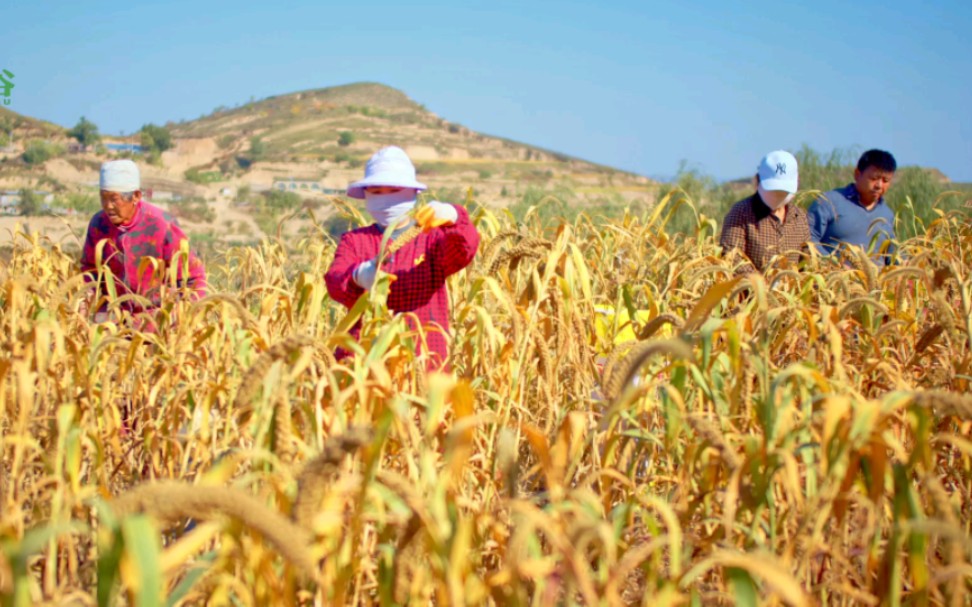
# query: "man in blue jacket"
857, 214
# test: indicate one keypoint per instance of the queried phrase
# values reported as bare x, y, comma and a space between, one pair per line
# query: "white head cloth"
120, 176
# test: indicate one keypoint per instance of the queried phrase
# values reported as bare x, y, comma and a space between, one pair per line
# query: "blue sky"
636, 85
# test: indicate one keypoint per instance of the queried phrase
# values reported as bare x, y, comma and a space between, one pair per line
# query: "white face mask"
390, 209
774, 199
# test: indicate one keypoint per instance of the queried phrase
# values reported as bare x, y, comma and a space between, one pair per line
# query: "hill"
327, 134
21, 126
310, 144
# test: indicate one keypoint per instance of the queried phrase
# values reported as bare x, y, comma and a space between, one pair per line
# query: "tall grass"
797, 438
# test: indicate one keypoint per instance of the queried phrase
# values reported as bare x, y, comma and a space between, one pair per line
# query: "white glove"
364, 274
444, 211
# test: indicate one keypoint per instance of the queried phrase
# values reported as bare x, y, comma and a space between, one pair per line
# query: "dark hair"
877, 158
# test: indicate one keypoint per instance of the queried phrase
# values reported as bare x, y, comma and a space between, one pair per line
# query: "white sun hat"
389, 166
120, 176
778, 171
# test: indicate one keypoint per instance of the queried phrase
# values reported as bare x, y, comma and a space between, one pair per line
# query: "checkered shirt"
751, 227
421, 268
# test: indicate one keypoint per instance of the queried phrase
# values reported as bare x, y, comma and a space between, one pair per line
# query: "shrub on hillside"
346, 138
155, 138
692, 192
195, 209
336, 225
258, 149
83, 203
203, 177
226, 141
31, 203
365, 110
243, 194
280, 200
825, 172
40, 151
917, 196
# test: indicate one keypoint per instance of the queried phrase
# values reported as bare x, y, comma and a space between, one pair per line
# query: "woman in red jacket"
421, 266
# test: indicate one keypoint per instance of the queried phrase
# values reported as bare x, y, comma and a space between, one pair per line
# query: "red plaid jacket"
421, 268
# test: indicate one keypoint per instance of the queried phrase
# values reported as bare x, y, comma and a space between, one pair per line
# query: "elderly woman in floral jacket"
421, 266
133, 230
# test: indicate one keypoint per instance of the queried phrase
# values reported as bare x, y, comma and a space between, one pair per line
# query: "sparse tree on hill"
243, 194
39, 151
155, 139
7, 127
258, 149
30, 203
279, 200
86, 132
345, 138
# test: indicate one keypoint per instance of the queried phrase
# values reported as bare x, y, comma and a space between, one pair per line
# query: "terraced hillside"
327, 134
309, 143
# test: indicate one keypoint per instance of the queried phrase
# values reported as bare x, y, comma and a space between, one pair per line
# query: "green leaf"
142, 546
743, 587
20, 552
191, 578
109, 558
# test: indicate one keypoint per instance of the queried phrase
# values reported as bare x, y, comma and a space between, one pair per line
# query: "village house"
297, 185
